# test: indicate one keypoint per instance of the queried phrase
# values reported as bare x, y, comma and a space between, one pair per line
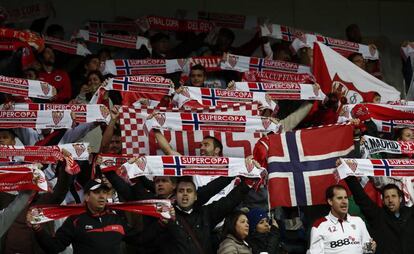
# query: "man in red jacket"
57, 78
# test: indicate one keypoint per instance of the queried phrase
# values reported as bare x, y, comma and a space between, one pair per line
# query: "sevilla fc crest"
269, 27
249, 165
104, 111
266, 123
185, 92
141, 163
160, 117
352, 164
79, 149
45, 87
233, 60
57, 116
347, 90
181, 62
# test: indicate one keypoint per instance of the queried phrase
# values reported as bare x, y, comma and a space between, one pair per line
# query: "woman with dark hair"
263, 235
94, 80
404, 134
235, 230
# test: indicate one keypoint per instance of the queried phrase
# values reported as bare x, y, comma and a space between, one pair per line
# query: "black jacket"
202, 220
264, 242
393, 235
88, 233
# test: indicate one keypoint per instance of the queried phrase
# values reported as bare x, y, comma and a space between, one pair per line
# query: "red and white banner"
158, 208
121, 41
246, 63
42, 119
375, 167
104, 26
380, 112
141, 84
214, 122
199, 97
247, 109
301, 39
26, 87
126, 67
373, 145
135, 141
72, 48
191, 166
233, 21
335, 73
22, 177
171, 24
45, 154
29, 12
85, 113
283, 90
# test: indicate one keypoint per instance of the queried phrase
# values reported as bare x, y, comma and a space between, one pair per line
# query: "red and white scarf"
373, 145
215, 122
45, 154
135, 141
272, 76
125, 67
22, 177
42, 119
199, 97
72, 48
141, 84
85, 113
31, 38
246, 63
158, 208
121, 41
375, 167
301, 39
283, 90
171, 24
379, 112
234, 21
191, 165
26, 87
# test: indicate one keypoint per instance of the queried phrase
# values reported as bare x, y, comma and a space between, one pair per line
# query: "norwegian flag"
300, 163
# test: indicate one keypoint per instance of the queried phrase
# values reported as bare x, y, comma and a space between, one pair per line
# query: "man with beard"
57, 78
339, 232
392, 225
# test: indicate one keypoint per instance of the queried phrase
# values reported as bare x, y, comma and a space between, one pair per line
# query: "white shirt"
330, 236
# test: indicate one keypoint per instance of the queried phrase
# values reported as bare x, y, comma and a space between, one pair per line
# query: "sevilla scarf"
26, 87
158, 208
85, 113
121, 41
373, 145
199, 97
282, 90
141, 84
210, 63
22, 177
42, 119
125, 67
274, 76
375, 167
45, 154
72, 48
246, 63
215, 122
170, 24
135, 141
191, 165
300, 39
234, 21
32, 39
12, 45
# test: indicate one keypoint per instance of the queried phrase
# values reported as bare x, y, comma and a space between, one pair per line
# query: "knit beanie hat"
255, 215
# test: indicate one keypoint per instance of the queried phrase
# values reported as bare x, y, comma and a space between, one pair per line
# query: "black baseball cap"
95, 184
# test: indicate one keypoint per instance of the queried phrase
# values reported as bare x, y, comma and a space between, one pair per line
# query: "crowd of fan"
249, 226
